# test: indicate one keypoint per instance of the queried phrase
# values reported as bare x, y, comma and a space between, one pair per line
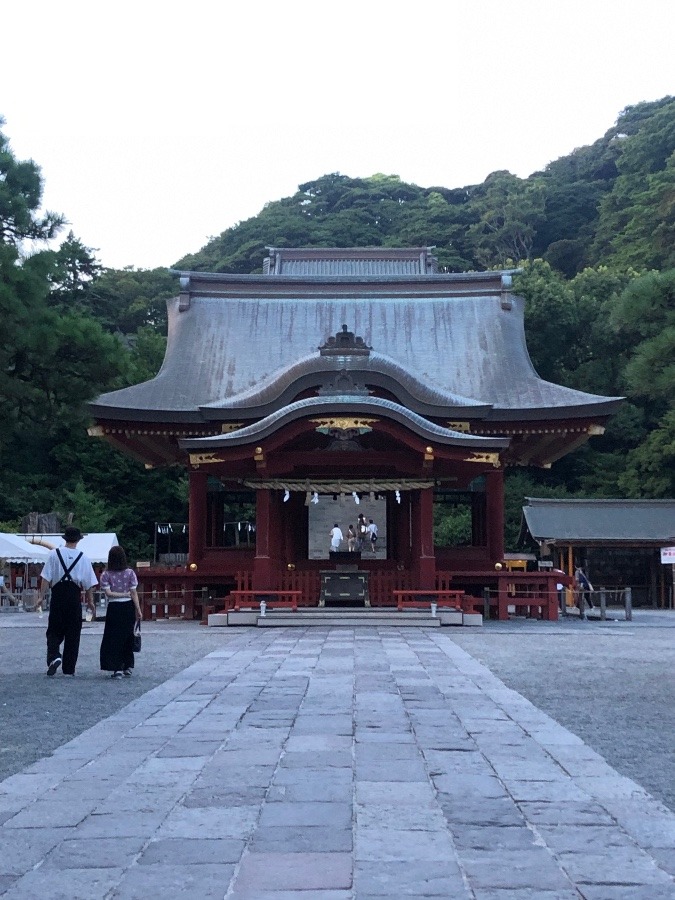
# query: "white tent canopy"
15, 548
94, 545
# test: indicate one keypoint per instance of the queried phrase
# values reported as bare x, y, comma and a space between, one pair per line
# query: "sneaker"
128, 673
53, 666
116, 675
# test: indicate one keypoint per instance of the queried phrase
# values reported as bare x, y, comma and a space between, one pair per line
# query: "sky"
158, 125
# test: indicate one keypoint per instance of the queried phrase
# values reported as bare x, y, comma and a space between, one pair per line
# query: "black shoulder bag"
137, 637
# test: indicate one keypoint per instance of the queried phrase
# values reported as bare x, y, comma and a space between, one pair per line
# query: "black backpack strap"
69, 569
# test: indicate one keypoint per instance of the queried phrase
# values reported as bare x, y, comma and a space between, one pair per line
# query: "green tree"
650, 471
20, 198
637, 218
645, 315
509, 211
124, 300
24, 283
147, 354
338, 211
452, 525
53, 357
551, 318
86, 508
518, 485
74, 269
574, 184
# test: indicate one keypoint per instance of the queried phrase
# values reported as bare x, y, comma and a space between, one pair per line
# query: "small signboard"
668, 556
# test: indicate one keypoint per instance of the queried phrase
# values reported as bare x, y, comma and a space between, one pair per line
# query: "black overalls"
65, 619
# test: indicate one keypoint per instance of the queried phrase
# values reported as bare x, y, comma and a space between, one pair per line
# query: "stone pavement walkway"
331, 764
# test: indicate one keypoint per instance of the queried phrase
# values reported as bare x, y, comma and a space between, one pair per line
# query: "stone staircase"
344, 617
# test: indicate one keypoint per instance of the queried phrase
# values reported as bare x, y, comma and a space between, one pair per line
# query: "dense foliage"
594, 233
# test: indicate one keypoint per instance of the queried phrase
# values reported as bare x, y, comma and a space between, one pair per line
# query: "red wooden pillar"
197, 514
502, 598
291, 514
400, 528
494, 488
423, 538
262, 564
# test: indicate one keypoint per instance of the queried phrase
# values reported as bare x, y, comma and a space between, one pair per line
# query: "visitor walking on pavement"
68, 572
123, 611
372, 534
584, 587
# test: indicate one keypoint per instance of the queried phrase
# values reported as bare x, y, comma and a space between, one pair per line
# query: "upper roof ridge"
350, 261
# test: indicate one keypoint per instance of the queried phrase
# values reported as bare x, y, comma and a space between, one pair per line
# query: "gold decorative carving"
198, 459
227, 427
464, 427
492, 458
344, 423
596, 429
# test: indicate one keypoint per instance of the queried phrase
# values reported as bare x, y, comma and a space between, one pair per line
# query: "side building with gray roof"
617, 542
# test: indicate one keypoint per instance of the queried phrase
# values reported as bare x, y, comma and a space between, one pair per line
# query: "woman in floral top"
119, 584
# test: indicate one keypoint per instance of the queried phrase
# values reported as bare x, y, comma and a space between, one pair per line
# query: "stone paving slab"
332, 764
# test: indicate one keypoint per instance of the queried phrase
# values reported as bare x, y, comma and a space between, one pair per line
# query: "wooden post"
423, 538
197, 514
262, 564
494, 488
400, 519
502, 597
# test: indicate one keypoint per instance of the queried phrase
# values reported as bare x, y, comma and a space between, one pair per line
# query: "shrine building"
343, 382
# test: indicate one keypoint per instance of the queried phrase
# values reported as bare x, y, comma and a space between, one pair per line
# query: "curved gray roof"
367, 406
577, 521
281, 386
448, 341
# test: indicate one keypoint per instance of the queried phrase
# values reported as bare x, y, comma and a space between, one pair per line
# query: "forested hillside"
594, 233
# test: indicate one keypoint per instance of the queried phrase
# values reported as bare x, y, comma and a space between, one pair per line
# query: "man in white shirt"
68, 572
372, 534
336, 537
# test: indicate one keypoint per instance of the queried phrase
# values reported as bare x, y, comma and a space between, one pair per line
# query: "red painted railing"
529, 593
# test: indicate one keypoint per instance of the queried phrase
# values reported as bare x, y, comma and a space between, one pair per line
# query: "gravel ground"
612, 684
38, 714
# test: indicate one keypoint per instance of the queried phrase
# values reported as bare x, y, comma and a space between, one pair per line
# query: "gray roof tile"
601, 520
240, 336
